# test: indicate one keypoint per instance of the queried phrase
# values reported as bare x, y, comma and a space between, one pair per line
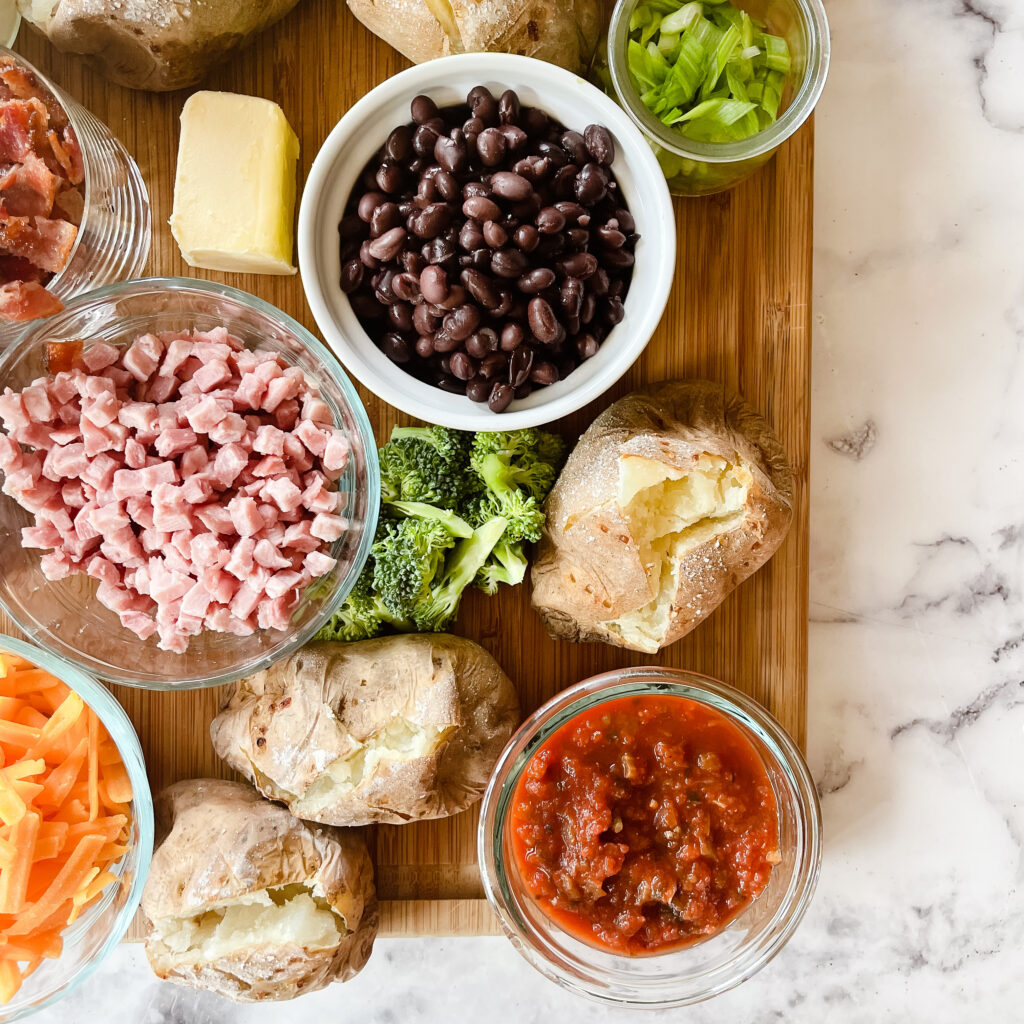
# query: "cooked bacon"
27, 300
22, 84
69, 205
29, 188
47, 243
23, 128
68, 155
14, 268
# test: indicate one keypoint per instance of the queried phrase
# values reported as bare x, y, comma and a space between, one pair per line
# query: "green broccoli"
456, 525
427, 464
506, 564
362, 614
440, 606
407, 563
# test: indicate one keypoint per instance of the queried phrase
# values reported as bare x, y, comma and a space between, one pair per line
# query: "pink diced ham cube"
283, 493
316, 563
269, 555
99, 355
245, 516
328, 527
142, 358
173, 441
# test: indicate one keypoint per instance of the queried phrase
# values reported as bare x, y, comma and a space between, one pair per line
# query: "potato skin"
155, 44
588, 569
219, 840
563, 32
285, 726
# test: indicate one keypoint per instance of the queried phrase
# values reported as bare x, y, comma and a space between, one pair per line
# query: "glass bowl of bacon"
74, 210
188, 483
76, 826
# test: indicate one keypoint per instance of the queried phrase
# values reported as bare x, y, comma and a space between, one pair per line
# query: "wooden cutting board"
740, 313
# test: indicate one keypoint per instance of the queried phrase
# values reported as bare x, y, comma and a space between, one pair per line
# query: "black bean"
509, 108
395, 347
451, 153
456, 297
572, 211
617, 288
523, 391
446, 185
471, 237
542, 320
494, 365
571, 295
461, 322
579, 238
588, 309
352, 274
625, 219
579, 264
527, 237
512, 336
519, 365
382, 286
611, 237
445, 342
591, 184
452, 384
434, 284
586, 346
439, 250
425, 346
423, 108
385, 217
390, 177
368, 203
400, 315
494, 234
483, 104
500, 398
544, 373
423, 141
574, 147
613, 311
481, 287
505, 302
462, 366
600, 144
509, 263
553, 154
598, 283
426, 192
535, 121
564, 181
509, 185
351, 227
478, 389
366, 307
619, 258
432, 220
526, 210
536, 280
412, 262
366, 257
399, 144
480, 208
550, 220
482, 343
388, 245
473, 126
491, 146
515, 138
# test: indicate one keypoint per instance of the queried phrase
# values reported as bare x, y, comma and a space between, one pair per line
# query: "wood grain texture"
740, 313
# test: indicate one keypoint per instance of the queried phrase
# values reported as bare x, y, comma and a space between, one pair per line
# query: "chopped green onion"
707, 68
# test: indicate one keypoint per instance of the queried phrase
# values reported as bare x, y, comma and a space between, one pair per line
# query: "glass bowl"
699, 168
90, 939
681, 976
63, 616
114, 235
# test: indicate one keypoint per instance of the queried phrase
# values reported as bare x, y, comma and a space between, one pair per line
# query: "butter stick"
234, 190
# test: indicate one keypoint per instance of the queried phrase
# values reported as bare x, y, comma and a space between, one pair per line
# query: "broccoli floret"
427, 464
456, 525
524, 459
520, 510
362, 614
408, 561
441, 605
506, 564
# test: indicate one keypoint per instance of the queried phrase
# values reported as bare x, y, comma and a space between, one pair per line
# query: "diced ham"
230, 430
228, 463
215, 517
99, 355
316, 563
286, 415
173, 441
314, 408
314, 439
276, 614
283, 493
143, 357
269, 556
177, 352
300, 537
335, 455
245, 516
65, 463
134, 454
45, 535
207, 550
193, 461
328, 527
211, 374
197, 490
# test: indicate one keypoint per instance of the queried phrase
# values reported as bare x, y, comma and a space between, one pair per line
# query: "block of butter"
234, 190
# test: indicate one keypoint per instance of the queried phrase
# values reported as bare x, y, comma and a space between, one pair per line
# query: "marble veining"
917, 584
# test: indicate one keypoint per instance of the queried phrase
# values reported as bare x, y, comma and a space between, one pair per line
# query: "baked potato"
246, 901
385, 730
152, 44
673, 496
563, 32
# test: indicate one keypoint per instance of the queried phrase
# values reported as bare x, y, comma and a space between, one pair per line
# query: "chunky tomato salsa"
645, 824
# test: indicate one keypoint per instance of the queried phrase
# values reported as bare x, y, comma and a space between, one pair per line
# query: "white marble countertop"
917, 638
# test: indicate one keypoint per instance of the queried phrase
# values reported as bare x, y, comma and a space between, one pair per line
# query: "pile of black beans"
486, 249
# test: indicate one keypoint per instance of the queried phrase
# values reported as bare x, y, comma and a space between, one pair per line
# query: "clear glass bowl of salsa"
650, 837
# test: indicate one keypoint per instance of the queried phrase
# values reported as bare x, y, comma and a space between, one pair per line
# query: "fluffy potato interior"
670, 512
284, 915
399, 740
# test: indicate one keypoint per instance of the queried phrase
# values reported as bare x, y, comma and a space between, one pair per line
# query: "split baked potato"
246, 901
672, 497
562, 32
386, 730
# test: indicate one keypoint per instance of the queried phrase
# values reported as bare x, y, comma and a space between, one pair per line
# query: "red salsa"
645, 824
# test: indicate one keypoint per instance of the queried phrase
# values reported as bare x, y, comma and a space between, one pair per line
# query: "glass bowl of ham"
189, 483
75, 207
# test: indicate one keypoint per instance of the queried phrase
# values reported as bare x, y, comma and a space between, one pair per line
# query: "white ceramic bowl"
363, 130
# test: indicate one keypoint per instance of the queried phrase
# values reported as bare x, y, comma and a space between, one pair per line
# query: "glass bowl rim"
119, 726
740, 709
355, 407
764, 141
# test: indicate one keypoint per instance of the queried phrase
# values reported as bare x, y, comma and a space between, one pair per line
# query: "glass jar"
114, 235
699, 168
681, 976
99, 929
